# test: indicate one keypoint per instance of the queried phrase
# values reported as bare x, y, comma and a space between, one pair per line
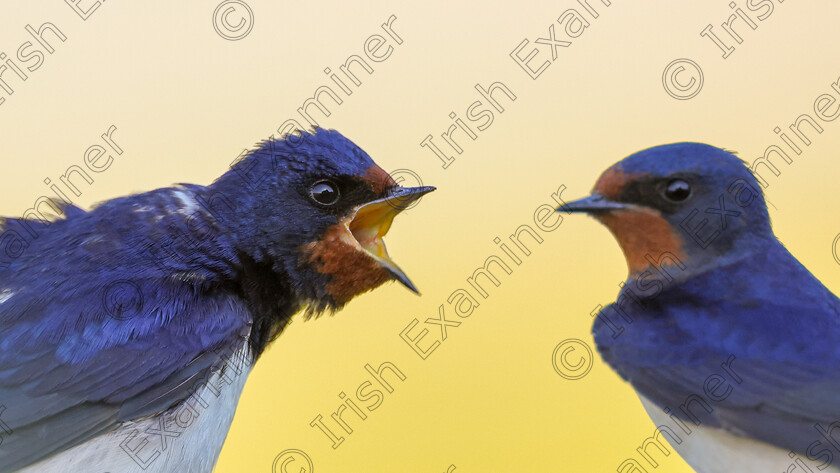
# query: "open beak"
593, 204
372, 221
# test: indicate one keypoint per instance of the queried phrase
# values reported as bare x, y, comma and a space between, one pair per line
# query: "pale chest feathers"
713, 450
185, 439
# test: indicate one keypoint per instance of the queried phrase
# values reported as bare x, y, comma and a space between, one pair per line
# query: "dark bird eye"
324, 193
677, 190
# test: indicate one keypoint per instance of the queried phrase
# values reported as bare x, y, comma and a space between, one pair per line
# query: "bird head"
316, 208
688, 204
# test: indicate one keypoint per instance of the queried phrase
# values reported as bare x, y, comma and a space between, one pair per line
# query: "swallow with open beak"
128, 331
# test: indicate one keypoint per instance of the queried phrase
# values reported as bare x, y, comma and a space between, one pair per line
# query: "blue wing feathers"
783, 330
70, 368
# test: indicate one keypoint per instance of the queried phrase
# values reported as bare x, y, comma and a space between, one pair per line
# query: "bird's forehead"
613, 180
378, 179
350, 160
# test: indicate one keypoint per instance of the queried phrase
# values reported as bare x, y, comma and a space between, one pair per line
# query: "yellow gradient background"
187, 102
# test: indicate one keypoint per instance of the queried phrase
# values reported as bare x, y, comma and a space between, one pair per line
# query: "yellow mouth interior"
369, 226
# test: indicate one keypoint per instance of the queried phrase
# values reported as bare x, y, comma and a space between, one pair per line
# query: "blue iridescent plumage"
117, 314
725, 329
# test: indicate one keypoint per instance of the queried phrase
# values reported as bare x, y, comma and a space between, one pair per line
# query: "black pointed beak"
595, 203
402, 197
